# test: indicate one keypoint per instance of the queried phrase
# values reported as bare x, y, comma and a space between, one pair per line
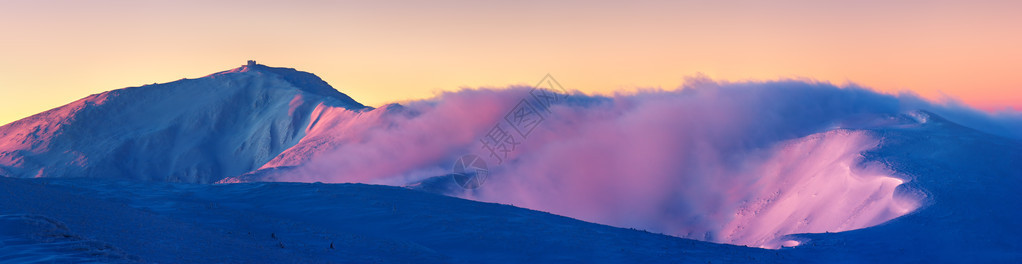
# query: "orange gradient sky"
54, 52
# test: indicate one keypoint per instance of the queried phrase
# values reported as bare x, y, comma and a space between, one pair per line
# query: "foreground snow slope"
191, 130
122, 221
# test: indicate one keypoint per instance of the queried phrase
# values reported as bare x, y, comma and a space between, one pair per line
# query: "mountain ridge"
302, 80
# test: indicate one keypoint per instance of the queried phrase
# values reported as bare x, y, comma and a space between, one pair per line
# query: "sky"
55, 52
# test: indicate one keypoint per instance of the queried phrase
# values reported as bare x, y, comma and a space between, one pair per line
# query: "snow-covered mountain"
192, 130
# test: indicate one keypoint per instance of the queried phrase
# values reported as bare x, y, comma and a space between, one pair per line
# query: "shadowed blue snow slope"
330, 223
38, 239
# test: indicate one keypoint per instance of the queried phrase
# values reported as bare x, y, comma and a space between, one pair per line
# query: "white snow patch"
814, 185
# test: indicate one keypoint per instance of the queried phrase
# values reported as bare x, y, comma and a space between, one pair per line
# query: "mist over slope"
741, 163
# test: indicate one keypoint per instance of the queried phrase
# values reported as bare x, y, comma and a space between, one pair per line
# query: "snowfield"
298, 223
785, 171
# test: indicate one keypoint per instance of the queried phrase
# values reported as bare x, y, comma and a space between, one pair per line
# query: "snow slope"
191, 130
970, 181
127, 221
817, 184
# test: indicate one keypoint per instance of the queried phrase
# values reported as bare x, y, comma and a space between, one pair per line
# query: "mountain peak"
251, 65
304, 81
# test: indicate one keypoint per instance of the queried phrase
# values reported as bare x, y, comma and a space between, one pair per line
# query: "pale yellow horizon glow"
55, 52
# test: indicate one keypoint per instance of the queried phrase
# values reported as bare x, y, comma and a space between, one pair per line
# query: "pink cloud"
743, 163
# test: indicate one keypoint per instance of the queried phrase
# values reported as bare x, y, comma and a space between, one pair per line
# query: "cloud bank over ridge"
728, 162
